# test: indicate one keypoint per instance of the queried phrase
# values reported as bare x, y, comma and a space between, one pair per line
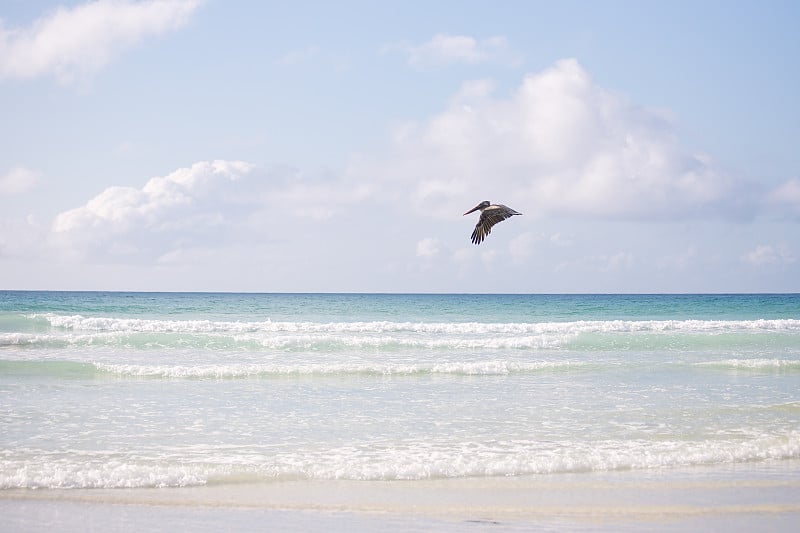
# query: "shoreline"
737, 497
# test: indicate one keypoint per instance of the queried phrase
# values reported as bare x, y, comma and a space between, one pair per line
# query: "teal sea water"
150, 390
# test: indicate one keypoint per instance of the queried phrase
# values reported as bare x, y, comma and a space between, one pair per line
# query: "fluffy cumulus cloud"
84, 38
159, 203
559, 144
190, 204
208, 205
444, 49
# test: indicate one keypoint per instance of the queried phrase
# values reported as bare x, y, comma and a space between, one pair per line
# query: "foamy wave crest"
254, 341
395, 341
233, 371
389, 336
755, 364
74, 473
32, 339
512, 458
78, 322
375, 461
17, 339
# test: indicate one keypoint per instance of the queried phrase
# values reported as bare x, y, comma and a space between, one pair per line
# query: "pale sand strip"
621, 497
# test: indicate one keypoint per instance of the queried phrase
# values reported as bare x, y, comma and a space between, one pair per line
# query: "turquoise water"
166, 389
408, 307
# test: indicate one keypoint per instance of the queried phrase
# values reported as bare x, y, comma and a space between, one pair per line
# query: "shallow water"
137, 390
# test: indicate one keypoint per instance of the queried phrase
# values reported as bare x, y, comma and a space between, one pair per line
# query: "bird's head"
483, 205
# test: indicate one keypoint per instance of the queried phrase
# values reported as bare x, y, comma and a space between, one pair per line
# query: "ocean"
147, 391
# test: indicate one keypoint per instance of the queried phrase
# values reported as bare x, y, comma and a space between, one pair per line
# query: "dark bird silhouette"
491, 214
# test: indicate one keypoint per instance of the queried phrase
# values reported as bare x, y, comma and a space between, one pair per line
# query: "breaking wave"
77, 330
410, 461
131, 325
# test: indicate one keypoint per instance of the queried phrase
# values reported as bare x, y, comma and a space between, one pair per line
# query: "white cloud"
209, 205
194, 204
559, 145
162, 203
444, 49
17, 180
71, 41
769, 255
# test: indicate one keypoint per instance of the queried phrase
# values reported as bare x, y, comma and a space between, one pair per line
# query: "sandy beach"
731, 498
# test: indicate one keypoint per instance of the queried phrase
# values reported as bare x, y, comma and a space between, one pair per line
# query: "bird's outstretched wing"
489, 217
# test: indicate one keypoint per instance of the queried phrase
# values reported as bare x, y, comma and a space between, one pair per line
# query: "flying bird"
491, 214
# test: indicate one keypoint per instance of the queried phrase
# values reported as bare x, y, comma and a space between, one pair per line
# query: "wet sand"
763, 496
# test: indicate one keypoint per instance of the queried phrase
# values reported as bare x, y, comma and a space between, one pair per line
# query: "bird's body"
491, 214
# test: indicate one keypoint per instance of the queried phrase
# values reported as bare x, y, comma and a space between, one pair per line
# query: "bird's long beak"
473, 209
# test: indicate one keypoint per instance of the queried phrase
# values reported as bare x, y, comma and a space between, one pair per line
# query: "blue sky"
332, 146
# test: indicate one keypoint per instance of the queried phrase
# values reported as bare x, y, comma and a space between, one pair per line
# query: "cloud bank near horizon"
557, 146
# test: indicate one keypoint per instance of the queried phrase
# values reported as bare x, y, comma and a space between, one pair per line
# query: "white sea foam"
23, 339
399, 461
81, 323
227, 371
77, 472
302, 335
301, 340
16, 338
755, 364
254, 336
